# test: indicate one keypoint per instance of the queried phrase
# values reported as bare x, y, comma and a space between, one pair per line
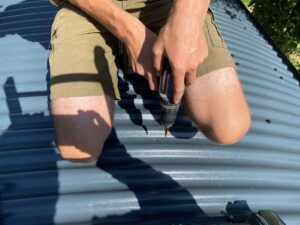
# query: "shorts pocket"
213, 32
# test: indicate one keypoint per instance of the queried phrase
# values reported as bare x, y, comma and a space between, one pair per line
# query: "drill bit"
166, 132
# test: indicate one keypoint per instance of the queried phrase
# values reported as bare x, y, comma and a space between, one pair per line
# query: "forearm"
116, 20
193, 8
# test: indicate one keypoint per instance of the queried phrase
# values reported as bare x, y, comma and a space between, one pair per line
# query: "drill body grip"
166, 90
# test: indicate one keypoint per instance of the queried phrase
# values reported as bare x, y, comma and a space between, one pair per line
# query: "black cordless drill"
166, 91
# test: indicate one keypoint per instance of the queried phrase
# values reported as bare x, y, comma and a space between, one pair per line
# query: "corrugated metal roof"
144, 178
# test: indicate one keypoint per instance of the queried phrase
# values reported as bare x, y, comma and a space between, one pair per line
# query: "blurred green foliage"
281, 20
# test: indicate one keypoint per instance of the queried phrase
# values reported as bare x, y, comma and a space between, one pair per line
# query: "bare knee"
226, 129
83, 144
80, 138
229, 132
232, 136
76, 155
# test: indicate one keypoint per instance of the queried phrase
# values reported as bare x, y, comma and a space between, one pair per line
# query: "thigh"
82, 56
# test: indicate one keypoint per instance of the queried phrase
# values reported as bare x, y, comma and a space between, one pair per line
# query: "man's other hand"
182, 41
138, 39
139, 50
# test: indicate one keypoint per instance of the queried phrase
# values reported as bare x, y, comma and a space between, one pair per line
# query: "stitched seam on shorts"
210, 24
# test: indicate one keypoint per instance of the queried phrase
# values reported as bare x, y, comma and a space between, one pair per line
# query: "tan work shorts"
83, 53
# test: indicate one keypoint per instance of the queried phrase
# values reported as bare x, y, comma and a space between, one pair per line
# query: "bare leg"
82, 125
216, 103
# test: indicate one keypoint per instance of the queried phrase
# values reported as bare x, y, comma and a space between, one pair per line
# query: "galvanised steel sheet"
143, 178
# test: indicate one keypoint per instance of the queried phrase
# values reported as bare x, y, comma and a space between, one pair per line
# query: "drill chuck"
168, 114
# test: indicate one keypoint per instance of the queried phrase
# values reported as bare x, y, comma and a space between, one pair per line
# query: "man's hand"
139, 50
183, 42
